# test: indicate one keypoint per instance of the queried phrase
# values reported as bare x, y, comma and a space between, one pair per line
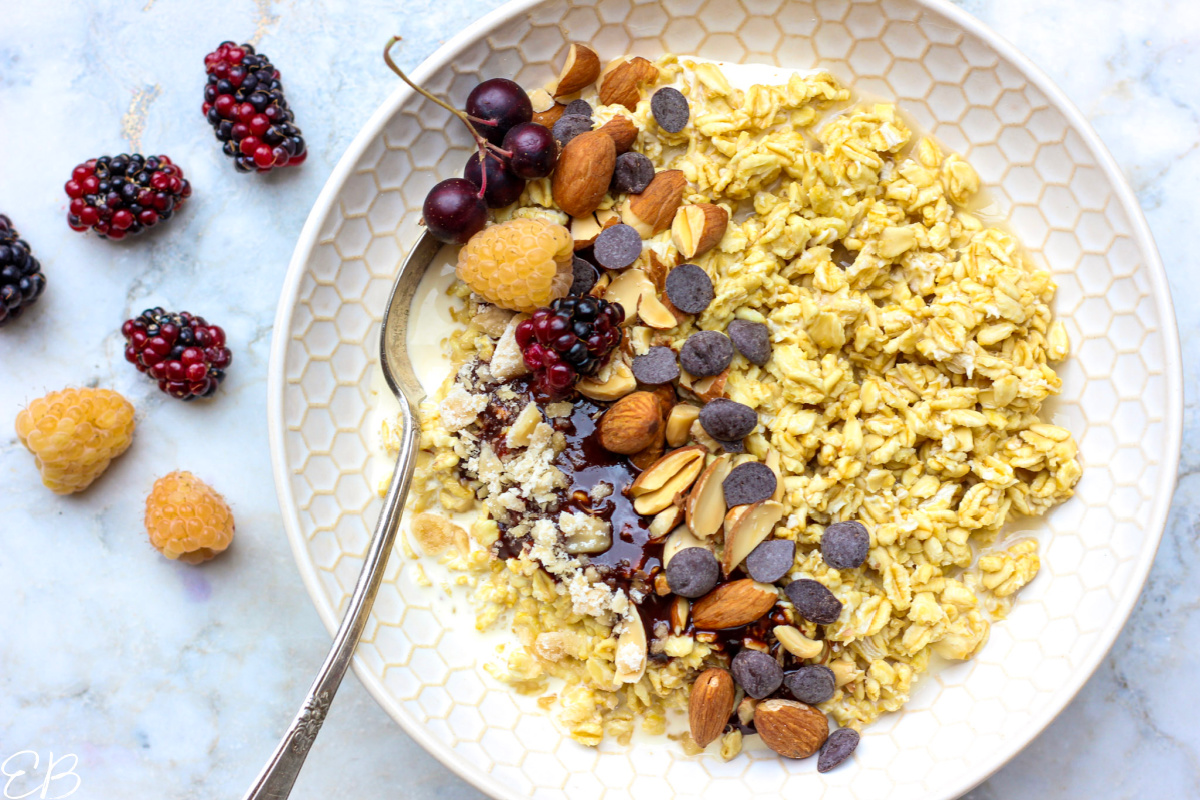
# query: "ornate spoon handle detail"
276, 780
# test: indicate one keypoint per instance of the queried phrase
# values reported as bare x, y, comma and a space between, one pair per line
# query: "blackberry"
185, 354
21, 278
117, 196
244, 103
572, 337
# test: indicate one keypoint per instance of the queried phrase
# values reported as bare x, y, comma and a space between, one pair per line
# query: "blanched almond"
630, 660
706, 504
581, 69
679, 423
745, 528
652, 311
698, 228
628, 289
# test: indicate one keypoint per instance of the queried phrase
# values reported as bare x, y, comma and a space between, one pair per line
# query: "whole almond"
652, 211
698, 228
733, 604
792, 729
631, 424
580, 70
550, 116
622, 83
710, 705
584, 170
622, 131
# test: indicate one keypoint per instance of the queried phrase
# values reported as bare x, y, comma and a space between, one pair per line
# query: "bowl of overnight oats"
802, 400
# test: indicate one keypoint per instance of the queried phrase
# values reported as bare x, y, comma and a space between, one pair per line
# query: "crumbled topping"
507, 361
460, 408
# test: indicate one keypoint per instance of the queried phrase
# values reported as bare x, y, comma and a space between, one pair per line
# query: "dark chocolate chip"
617, 246
813, 601
689, 288
670, 109
726, 420
656, 367
771, 560
752, 339
578, 108
749, 483
837, 748
844, 545
569, 126
706, 353
813, 684
736, 446
633, 173
756, 672
584, 276
693, 572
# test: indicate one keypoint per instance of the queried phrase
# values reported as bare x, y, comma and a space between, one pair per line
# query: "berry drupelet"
185, 354
118, 196
244, 103
572, 337
21, 278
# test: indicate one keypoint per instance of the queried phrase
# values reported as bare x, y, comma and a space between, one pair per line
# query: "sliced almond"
680, 539
584, 171
631, 652
678, 614
775, 462
622, 83
733, 604
661, 472
628, 289
540, 100
652, 211
706, 389
678, 480
745, 529
584, 230
657, 269
679, 423
601, 285
612, 383
710, 705
698, 228
797, 643
652, 311
705, 505
581, 69
622, 131
665, 521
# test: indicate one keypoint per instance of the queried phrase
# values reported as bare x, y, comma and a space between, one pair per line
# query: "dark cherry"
454, 211
534, 151
501, 101
503, 185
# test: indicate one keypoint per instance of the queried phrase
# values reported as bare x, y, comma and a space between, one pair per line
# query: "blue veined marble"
172, 682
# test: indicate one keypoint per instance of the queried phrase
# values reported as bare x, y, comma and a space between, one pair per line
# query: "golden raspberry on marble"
187, 519
520, 265
75, 434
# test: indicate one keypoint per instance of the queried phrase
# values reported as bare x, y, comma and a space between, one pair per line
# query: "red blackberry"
572, 337
185, 354
121, 195
21, 278
244, 103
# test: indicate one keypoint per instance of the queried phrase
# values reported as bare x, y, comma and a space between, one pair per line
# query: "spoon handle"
276, 779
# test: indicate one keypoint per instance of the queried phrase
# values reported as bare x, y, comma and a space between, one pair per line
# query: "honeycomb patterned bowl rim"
1170, 418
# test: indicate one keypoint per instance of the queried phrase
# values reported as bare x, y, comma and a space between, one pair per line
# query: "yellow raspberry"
75, 434
187, 519
520, 265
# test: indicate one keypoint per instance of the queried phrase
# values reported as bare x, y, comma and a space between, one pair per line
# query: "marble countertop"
172, 682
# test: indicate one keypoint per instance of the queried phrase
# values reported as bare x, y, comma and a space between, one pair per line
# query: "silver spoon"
276, 780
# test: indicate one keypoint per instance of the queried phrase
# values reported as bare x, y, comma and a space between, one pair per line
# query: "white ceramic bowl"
1066, 200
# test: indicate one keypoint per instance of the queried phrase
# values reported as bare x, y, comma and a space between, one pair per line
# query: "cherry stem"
467, 119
